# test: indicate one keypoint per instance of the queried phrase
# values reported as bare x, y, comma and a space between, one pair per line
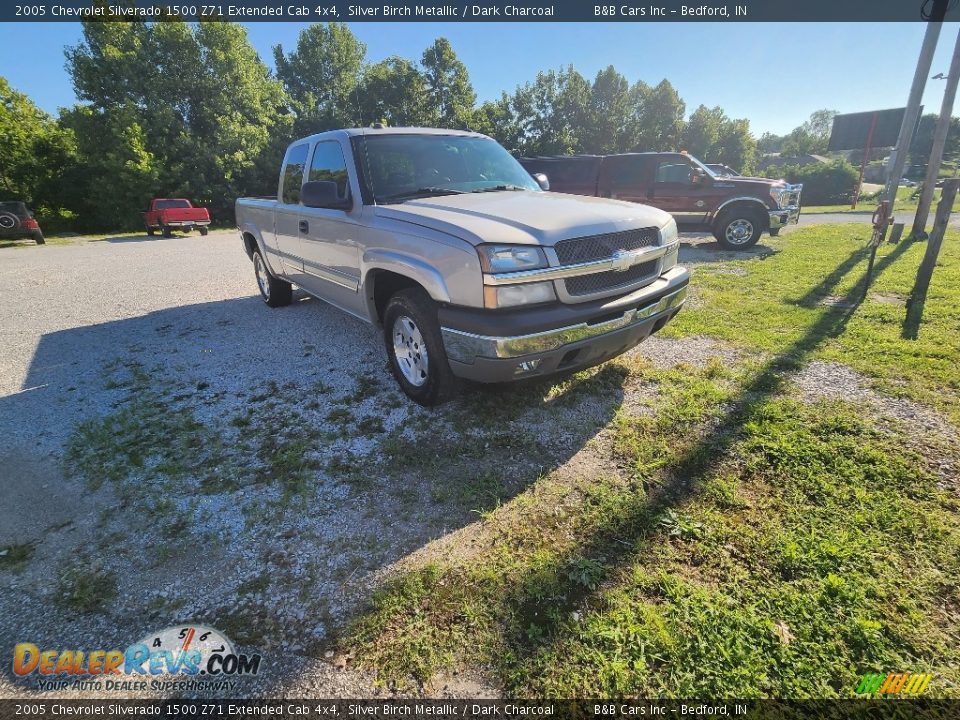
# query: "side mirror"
542, 181
324, 194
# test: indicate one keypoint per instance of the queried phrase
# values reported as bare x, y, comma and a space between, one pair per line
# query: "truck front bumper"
786, 216
611, 329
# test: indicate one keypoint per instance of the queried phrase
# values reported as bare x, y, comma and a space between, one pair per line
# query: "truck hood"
763, 185
525, 218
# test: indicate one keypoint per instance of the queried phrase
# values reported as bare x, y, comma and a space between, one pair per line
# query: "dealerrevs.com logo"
194, 651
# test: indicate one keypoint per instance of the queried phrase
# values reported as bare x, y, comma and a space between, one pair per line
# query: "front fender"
409, 266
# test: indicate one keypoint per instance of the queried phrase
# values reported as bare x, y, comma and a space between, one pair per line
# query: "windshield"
170, 204
697, 163
402, 167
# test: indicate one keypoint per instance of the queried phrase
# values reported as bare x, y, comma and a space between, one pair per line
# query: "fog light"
527, 366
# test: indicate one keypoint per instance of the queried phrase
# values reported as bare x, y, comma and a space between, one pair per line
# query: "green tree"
610, 118
394, 91
735, 146
118, 175
659, 118
448, 84
322, 77
206, 110
702, 132
35, 153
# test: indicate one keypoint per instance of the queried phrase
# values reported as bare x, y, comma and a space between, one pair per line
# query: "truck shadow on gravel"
257, 471
698, 251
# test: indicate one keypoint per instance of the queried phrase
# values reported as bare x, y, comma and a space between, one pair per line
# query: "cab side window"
328, 164
674, 172
293, 174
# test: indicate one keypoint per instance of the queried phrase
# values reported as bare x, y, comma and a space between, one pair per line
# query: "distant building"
778, 160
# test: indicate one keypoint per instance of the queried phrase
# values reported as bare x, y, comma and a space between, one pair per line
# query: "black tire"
38, 238
274, 291
438, 383
774, 232
167, 231
203, 230
740, 227
150, 231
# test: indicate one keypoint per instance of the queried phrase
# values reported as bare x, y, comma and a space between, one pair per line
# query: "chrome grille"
609, 279
598, 247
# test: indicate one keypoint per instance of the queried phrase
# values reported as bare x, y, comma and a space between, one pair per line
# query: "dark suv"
16, 222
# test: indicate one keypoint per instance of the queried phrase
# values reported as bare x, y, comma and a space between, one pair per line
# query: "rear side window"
625, 172
293, 174
328, 164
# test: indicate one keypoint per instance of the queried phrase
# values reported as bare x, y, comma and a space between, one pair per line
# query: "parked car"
737, 210
169, 214
17, 222
472, 270
722, 170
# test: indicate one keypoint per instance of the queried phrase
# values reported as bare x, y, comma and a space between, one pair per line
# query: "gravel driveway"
176, 451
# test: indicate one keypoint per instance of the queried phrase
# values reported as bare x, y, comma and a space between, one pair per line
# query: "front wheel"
167, 231
418, 360
739, 228
774, 232
274, 291
150, 231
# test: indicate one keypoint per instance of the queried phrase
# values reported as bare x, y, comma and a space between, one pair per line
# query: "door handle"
304, 226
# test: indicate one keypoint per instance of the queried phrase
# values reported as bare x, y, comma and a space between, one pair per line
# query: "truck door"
288, 210
329, 239
680, 189
625, 177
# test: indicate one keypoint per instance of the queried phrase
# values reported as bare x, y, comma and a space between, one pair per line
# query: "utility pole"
939, 143
898, 156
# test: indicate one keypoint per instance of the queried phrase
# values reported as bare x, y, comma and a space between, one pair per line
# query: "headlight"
778, 193
669, 233
499, 296
511, 258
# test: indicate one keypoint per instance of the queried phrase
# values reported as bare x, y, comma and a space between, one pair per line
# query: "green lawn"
868, 203
719, 536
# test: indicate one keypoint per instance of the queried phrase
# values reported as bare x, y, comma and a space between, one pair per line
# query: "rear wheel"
38, 238
739, 228
204, 230
150, 231
274, 291
167, 231
418, 360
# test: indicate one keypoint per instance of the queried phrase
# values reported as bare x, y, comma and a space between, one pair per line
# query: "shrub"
823, 183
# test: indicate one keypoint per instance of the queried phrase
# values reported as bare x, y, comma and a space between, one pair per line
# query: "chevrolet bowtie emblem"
622, 260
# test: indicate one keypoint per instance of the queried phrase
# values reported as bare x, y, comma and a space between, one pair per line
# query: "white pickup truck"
472, 269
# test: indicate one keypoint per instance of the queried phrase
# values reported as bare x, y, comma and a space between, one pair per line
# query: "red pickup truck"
737, 210
168, 214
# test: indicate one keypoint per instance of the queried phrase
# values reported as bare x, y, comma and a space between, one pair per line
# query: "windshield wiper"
499, 188
422, 192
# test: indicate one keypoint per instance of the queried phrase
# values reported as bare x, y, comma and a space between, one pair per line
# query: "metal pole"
863, 164
939, 143
898, 156
918, 296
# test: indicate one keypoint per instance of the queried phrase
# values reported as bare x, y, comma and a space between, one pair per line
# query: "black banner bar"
213, 709
654, 11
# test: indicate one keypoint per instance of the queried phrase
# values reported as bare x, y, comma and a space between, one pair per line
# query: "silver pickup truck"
469, 265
